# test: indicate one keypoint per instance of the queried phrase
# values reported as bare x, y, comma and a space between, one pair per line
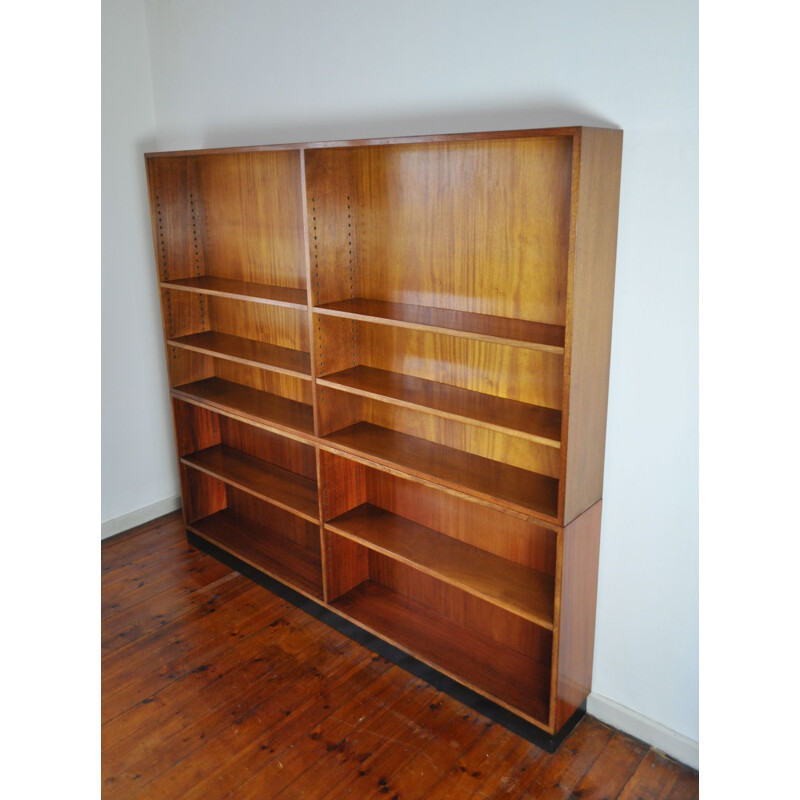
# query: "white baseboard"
140, 516
674, 744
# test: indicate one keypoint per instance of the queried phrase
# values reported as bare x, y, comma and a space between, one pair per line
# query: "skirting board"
139, 516
674, 744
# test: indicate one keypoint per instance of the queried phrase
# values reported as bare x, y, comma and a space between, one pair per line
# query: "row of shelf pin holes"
197, 265
352, 277
163, 250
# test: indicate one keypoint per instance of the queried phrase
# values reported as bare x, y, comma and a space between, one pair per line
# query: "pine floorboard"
213, 687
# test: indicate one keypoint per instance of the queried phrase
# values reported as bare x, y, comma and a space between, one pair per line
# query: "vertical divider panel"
332, 219
310, 287
202, 494
186, 366
196, 428
338, 410
348, 565
342, 487
185, 313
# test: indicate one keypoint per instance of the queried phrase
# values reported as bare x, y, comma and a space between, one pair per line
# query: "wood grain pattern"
520, 133
613, 768
461, 608
277, 486
251, 218
473, 659
510, 416
195, 427
529, 376
264, 549
576, 609
282, 384
502, 330
247, 351
491, 529
477, 247
294, 455
523, 591
282, 326
240, 290
471, 438
654, 777
346, 565
591, 298
491, 480
259, 406
343, 484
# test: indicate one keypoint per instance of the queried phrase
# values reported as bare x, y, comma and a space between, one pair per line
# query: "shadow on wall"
534, 115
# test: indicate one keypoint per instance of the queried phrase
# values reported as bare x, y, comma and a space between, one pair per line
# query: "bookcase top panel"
436, 137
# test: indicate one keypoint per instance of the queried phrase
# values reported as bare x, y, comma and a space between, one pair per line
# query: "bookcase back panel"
185, 366
279, 450
252, 216
263, 380
185, 313
199, 428
174, 218
461, 608
280, 522
481, 227
284, 327
473, 439
529, 376
517, 540
339, 410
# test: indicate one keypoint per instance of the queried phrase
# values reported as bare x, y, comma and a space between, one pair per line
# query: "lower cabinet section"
472, 588
486, 647
275, 542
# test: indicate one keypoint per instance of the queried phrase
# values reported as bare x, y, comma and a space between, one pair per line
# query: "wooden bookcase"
388, 363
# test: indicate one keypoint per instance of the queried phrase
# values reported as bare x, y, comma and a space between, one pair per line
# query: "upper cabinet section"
466, 237
231, 225
447, 297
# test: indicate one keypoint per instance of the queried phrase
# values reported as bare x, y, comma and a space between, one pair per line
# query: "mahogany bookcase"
388, 363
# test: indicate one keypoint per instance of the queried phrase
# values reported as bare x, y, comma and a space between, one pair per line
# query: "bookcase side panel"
589, 324
576, 606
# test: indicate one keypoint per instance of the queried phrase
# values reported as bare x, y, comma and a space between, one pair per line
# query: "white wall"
138, 456
248, 72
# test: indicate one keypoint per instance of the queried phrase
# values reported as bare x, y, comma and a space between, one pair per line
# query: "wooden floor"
214, 687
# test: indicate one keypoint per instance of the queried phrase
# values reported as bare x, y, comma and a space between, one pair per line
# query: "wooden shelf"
287, 490
247, 351
262, 548
518, 589
243, 401
517, 332
488, 666
500, 483
242, 290
538, 424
